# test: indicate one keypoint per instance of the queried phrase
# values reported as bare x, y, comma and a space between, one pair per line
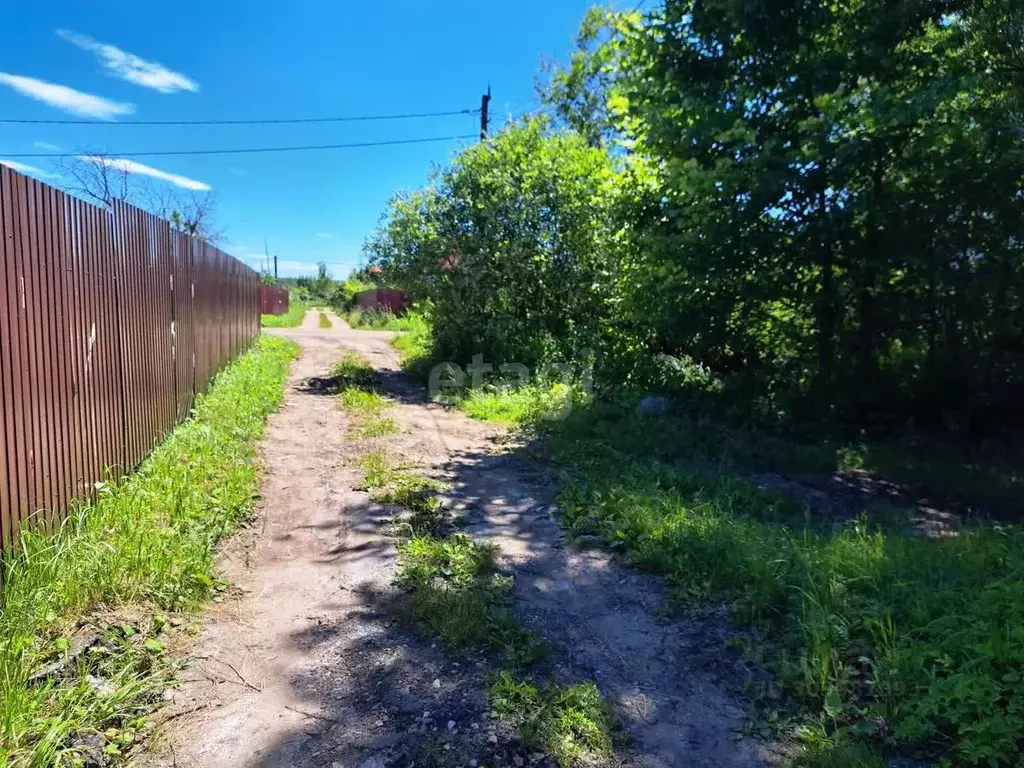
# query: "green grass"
519, 405
393, 485
365, 406
896, 645
352, 370
458, 596
291, 319
572, 724
325, 321
383, 320
455, 593
455, 590
145, 546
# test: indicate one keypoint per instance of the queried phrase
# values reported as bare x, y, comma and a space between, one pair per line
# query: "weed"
352, 370
362, 403
519, 405
325, 321
147, 541
378, 428
366, 408
432, 752
383, 320
458, 596
573, 724
390, 483
409, 491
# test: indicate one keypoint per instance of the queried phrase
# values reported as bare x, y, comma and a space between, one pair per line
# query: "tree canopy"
819, 202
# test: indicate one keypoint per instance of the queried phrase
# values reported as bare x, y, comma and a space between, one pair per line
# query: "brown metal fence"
273, 300
110, 323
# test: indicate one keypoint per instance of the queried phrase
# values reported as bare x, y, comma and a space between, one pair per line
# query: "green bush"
511, 246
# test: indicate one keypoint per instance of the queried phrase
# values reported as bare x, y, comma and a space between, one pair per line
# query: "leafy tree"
512, 246
823, 222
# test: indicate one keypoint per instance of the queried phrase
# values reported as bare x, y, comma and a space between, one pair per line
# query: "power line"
273, 121
239, 151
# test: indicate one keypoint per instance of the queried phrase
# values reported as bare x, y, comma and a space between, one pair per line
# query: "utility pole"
485, 103
275, 267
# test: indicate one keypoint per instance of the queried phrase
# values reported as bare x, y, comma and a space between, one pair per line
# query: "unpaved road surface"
303, 664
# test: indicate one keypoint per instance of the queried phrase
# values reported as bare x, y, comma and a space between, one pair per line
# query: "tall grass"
148, 543
384, 320
291, 319
898, 645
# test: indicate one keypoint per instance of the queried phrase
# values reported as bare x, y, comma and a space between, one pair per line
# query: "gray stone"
652, 405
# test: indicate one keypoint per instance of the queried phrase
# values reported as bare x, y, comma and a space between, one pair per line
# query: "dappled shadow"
392, 384
373, 679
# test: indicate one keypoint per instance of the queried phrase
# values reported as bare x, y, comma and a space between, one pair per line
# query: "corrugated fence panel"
16, 471
146, 264
110, 323
184, 334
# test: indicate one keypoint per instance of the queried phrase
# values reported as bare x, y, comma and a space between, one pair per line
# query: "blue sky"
231, 60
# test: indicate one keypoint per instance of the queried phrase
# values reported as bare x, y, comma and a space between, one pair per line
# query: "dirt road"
302, 664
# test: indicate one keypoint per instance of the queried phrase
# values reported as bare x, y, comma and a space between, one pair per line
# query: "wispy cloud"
131, 166
29, 169
128, 66
324, 234
46, 145
68, 99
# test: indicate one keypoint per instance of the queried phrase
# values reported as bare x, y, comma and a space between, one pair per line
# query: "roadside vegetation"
86, 607
881, 640
811, 283
291, 319
324, 321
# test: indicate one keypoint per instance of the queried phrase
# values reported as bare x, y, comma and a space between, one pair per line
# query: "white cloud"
28, 169
128, 66
131, 166
324, 234
297, 266
46, 145
68, 99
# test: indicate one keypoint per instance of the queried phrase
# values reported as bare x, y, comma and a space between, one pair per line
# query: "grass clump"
896, 644
392, 484
147, 542
458, 596
325, 321
573, 724
367, 408
352, 370
519, 405
361, 402
291, 319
